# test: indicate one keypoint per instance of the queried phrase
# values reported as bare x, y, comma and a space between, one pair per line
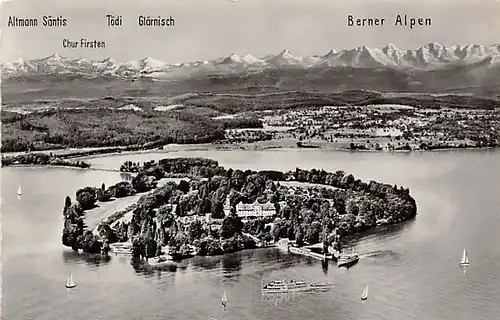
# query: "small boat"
224, 300
347, 259
307, 145
19, 191
465, 259
69, 282
160, 260
364, 296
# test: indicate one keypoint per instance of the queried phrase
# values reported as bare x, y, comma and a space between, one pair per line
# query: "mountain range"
480, 61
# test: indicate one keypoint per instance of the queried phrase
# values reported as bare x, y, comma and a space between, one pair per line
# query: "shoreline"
255, 146
153, 151
60, 167
126, 205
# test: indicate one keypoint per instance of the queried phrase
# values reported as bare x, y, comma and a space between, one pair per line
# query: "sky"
207, 29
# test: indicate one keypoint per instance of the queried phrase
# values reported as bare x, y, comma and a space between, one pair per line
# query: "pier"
307, 251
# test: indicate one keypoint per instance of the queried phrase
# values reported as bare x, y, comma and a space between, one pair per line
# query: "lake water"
412, 269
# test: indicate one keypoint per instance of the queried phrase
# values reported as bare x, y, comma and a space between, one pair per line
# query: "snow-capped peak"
286, 53
330, 54
390, 47
249, 59
55, 56
233, 58
285, 57
433, 45
109, 60
81, 60
150, 60
150, 64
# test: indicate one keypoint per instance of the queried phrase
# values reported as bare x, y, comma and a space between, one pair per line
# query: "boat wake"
381, 254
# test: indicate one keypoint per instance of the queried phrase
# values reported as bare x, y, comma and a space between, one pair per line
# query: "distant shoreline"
59, 167
234, 148
72, 153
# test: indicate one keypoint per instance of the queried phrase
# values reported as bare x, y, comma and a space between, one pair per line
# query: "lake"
411, 269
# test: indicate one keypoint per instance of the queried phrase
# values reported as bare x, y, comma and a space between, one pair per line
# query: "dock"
308, 253
121, 247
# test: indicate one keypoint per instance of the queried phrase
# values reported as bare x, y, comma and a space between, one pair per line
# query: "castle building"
251, 210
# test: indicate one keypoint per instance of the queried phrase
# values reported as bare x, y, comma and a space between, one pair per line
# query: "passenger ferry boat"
347, 259
285, 286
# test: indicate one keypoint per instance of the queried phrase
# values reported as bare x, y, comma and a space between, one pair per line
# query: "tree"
103, 195
86, 197
196, 230
141, 183
209, 247
299, 236
312, 232
217, 210
67, 202
106, 232
230, 226
183, 186
89, 243
123, 189
138, 247
121, 232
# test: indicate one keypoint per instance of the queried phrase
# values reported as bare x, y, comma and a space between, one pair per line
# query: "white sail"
19, 191
364, 296
70, 283
224, 297
465, 259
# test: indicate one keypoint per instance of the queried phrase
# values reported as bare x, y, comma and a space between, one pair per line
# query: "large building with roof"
251, 210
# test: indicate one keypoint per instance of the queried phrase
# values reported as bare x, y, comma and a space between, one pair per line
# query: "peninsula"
194, 206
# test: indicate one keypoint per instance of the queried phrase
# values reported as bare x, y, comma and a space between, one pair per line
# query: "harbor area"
316, 251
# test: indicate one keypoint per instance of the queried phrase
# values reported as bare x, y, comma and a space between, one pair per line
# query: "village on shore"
374, 128
389, 128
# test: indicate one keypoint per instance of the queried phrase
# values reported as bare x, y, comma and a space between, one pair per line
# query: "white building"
253, 210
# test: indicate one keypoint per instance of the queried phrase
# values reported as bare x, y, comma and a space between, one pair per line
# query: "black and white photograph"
250, 159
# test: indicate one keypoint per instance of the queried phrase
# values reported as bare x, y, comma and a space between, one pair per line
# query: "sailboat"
69, 282
364, 296
465, 260
19, 191
224, 300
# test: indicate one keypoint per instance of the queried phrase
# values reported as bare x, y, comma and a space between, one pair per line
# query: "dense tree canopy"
332, 205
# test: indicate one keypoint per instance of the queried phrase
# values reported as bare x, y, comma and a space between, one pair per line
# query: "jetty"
121, 247
308, 251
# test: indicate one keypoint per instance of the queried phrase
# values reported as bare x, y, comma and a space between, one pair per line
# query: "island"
194, 206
